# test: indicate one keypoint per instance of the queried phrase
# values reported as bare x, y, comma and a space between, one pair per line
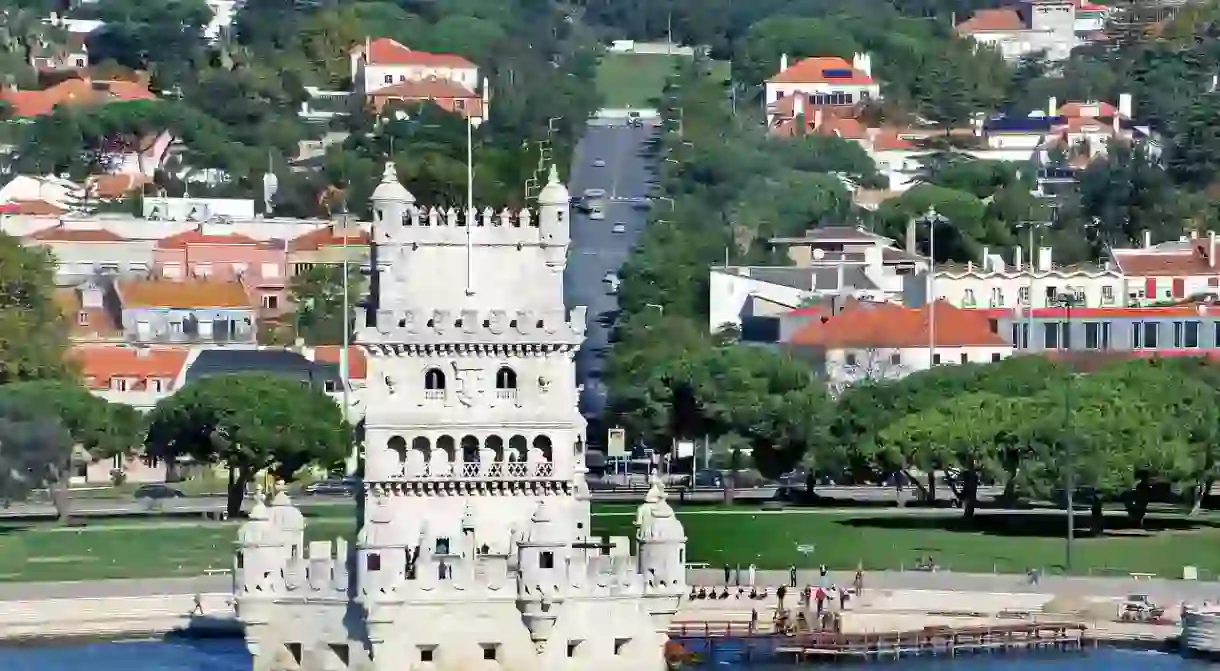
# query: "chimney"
985, 266
868, 66
817, 118
143, 352
1052, 107
1016, 258
1044, 259
1147, 239
1211, 248
783, 62
1124, 104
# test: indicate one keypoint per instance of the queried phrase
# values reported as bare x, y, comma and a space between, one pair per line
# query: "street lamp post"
932, 218
1067, 300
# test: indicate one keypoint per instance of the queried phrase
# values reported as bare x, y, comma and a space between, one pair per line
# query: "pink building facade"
261, 266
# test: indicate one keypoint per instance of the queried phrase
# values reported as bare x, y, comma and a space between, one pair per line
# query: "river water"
229, 655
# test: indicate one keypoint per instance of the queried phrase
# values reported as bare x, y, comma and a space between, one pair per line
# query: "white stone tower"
476, 549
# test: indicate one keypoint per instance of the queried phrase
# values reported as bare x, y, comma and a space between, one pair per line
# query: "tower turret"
383, 550
554, 213
290, 522
391, 201
260, 554
542, 561
662, 555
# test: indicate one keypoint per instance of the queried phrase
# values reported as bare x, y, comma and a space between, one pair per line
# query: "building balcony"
498, 470
506, 395
434, 394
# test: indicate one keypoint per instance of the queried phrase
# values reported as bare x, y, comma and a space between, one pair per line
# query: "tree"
33, 334
250, 423
98, 429
318, 295
35, 450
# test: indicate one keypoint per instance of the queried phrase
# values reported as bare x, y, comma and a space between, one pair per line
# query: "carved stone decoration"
526, 322
469, 381
386, 322
499, 319
440, 321
544, 385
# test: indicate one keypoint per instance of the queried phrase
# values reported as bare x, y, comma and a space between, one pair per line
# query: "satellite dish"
819, 254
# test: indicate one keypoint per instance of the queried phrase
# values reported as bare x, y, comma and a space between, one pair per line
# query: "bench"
217, 571
697, 565
1143, 576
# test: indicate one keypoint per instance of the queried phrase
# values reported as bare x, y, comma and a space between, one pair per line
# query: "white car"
611, 277
619, 228
599, 163
596, 213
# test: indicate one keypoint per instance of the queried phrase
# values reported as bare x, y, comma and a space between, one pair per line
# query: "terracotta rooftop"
1087, 109
992, 21
425, 89
182, 294
1148, 262
33, 208
115, 186
100, 364
357, 364
822, 70
889, 139
328, 236
58, 233
887, 325
197, 237
384, 51
73, 92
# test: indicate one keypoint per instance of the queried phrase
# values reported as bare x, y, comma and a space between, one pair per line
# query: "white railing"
493, 470
545, 469
470, 470
507, 395
434, 394
517, 469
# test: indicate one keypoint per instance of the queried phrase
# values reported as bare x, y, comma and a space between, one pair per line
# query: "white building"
994, 284
824, 81
1169, 270
476, 548
1050, 27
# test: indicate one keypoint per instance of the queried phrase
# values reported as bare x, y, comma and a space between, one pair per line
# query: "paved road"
595, 250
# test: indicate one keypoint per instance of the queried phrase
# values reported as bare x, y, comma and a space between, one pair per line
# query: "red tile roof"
73, 92
992, 21
1138, 262
101, 363
115, 186
428, 88
890, 140
1087, 109
182, 294
328, 236
58, 233
384, 51
357, 363
197, 237
887, 325
813, 71
33, 208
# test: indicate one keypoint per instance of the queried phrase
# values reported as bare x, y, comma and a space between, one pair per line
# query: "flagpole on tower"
470, 217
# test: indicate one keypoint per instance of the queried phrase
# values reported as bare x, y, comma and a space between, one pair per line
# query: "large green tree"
33, 333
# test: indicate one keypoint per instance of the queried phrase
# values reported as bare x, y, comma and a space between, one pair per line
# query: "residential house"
329, 245
73, 54
315, 365
993, 284
198, 310
1050, 27
828, 245
224, 256
383, 70
1189, 329
197, 209
91, 312
1170, 270
1077, 132
875, 341
33, 195
823, 81
82, 91
83, 251
136, 376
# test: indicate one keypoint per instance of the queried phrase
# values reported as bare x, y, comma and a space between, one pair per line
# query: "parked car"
331, 487
158, 491
619, 228
599, 163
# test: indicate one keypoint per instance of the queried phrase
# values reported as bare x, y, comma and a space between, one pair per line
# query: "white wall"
373, 77
143, 229
775, 91
730, 292
876, 363
954, 290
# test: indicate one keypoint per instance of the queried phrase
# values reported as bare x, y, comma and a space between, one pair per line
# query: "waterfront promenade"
891, 601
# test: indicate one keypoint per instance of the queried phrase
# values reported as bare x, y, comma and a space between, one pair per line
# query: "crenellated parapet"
451, 226
321, 572
409, 331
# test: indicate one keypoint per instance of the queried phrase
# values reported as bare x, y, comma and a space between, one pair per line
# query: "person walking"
753, 620
752, 573
198, 609
727, 574
792, 575
858, 583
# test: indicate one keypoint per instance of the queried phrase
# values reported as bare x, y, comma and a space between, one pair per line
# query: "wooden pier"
751, 643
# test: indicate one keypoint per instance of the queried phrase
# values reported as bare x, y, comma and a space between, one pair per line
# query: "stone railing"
497, 470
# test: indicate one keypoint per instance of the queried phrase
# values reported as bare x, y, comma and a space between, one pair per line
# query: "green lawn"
635, 80
878, 539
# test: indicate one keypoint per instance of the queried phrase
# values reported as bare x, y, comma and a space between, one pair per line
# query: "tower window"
442, 546
427, 653
241, 560
434, 380
372, 562
573, 646
506, 378
619, 644
546, 560
491, 652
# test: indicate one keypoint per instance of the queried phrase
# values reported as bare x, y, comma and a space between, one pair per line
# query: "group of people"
819, 605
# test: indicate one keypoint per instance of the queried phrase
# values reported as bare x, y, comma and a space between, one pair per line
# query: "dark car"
330, 487
158, 492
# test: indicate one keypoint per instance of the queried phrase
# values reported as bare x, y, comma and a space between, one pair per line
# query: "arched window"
398, 445
517, 447
423, 446
434, 380
445, 444
543, 445
496, 445
506, 378
470, 450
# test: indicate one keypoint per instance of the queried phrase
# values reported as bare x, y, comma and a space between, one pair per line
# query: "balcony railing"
506, 395
434, 394
494, 471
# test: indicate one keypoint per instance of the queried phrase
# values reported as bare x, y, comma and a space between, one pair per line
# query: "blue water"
228, 655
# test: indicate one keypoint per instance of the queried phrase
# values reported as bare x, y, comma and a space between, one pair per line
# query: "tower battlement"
423, 327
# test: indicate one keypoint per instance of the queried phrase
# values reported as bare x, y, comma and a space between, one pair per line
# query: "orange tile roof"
101, 363
825, 121
115, 186
890, 140
384, 51
196, 237
425, 89
74, 92
1139, 262
328, 236
992, 21
182, 294
357, 363
58, 233
812, 71
1090, 109
888, 325
33, 208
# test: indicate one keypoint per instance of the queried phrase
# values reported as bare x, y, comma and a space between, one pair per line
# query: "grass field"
1005, 543
636, 80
